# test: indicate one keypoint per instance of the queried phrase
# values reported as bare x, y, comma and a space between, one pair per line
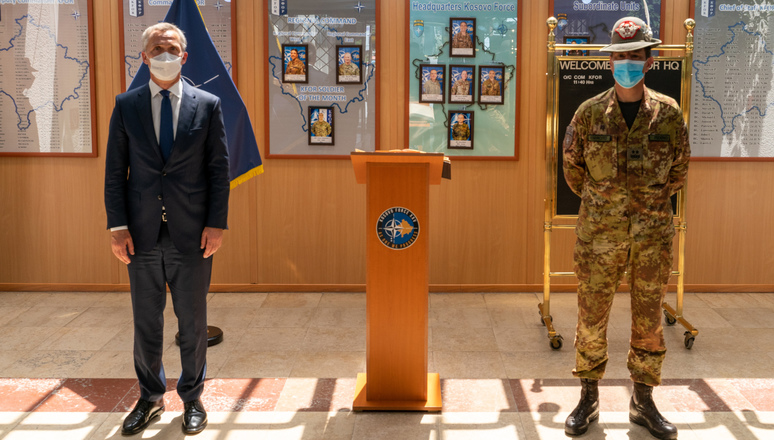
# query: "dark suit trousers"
188, 277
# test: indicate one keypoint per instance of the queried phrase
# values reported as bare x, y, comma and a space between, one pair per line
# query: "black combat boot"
643, 411
587, 411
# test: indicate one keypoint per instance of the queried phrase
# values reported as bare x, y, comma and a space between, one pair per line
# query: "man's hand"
121, 242
212, 238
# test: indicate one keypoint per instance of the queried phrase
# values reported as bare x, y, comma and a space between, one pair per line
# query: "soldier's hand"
122, 245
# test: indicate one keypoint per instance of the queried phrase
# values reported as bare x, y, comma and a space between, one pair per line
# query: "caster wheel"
669, 319
556, 342
689, 338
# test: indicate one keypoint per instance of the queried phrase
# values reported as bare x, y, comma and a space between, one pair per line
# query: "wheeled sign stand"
563, 221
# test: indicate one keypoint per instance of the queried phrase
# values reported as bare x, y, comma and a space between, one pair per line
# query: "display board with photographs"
592, 21
322, 78
463, 67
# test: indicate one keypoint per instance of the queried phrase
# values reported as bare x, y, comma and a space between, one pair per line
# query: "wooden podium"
397, 246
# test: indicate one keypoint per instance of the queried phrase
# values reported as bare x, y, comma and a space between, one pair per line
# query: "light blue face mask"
628, 73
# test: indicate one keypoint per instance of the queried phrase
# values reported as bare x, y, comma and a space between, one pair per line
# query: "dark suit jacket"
193, 185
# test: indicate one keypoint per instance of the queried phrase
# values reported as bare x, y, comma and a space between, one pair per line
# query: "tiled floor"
287, 368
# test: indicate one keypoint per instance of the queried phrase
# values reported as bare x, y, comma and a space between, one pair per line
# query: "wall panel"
301, 222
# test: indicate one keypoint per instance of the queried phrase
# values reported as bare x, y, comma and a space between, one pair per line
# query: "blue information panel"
445, 38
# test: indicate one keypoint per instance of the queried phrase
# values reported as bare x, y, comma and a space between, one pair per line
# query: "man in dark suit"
166, 197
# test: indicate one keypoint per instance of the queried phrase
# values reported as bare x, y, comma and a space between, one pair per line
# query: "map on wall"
139, 14
322, 75
45, 78
732, 103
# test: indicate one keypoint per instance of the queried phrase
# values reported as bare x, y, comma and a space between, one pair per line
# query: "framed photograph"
462, 34
350, 67
491, 84
296, 62
460, 129
576, 39
321, 126
431, 83
461, 83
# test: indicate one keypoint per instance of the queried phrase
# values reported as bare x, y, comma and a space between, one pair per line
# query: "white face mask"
166, 66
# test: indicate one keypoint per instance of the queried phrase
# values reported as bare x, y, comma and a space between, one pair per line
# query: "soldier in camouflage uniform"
295, 66
462, 85
491, 87
321, 127
348, 69
625, 153
462, 38
432, 86
460, 130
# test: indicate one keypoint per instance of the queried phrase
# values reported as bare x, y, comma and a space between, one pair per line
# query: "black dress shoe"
587, 411
194, 417
141, 416
643, 411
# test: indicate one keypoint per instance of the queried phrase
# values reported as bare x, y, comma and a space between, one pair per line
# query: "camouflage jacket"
431, 87
461, 87
460, 132
490, 87
295, 67
349, 69
462, 41
321, 128
625, 177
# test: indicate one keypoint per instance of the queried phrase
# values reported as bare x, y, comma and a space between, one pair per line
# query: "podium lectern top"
361, 158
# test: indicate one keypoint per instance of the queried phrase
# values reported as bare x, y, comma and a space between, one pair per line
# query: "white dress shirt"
175, 93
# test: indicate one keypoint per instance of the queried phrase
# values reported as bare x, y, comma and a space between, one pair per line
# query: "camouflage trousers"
600, 265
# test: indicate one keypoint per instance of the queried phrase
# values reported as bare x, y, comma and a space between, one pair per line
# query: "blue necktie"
166, 133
